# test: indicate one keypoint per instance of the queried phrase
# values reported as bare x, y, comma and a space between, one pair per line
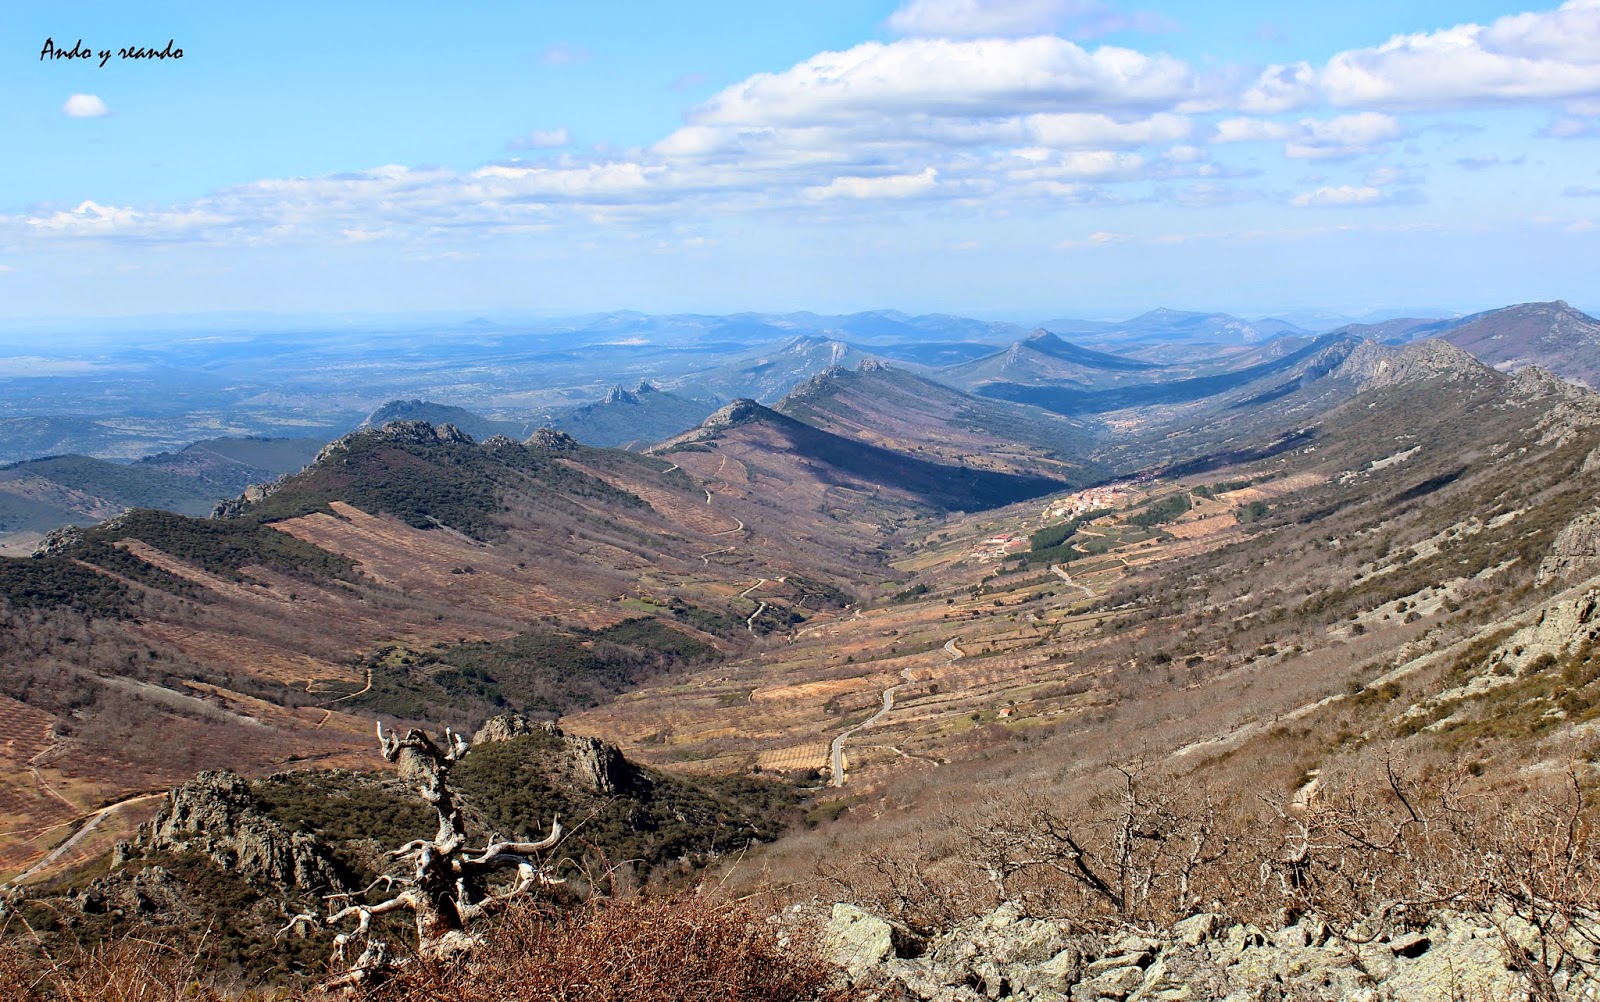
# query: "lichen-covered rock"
1001, 955
858, 940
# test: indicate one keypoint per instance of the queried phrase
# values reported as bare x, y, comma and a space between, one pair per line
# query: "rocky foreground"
1006, 955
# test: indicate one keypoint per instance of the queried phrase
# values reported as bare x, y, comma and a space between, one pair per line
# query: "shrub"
679, 948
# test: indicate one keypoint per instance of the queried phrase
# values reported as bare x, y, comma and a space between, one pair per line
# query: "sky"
1021, 159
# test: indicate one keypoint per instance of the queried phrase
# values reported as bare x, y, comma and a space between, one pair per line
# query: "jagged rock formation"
1201, 959
217, 815
741, 410
590, 764
552, 441
234, 507
1576, 548
1372, 365
58, 541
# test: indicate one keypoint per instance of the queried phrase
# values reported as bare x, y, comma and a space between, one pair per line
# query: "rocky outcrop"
551, 440
217, 815
590, 764
234, 507
1372, 365
1202, 959
736, 413
1576, 548
58, 541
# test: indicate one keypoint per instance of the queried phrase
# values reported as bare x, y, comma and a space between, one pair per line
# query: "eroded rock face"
234, 507
592, 764
58, 540
552, 441
1201, 959
1576, 548
216, 814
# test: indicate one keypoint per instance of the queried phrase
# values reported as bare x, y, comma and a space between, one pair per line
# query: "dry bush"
647, 949
130, 970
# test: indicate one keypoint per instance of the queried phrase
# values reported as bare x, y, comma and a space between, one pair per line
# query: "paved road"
950, 648
92, 822
838, 742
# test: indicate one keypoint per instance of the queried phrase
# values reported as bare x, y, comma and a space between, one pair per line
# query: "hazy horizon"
962, 156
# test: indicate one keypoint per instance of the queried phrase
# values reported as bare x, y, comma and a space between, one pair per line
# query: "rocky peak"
216, 814
590, 764
1372, 365
645, 386
618, 395
740, 411
61, 540
552, 440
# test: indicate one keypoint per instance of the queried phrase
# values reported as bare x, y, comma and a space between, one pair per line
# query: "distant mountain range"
43, 494
632, 419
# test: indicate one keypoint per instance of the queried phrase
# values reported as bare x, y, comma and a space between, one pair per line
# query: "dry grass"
674, 949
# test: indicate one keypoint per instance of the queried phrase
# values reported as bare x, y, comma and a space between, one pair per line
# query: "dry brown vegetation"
681, 948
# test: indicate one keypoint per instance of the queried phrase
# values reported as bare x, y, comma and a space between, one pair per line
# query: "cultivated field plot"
28, 811
1274, 488
798, 758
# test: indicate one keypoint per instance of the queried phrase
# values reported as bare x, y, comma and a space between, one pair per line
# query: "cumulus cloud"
85, 106
1532, 57
1346, 135
1280, 88
1314, 139
1251, 130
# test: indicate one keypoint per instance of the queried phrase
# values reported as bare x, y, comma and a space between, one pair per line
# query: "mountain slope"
800, 452
898, 410
1553, 336
1045, 359
473, 424
767, 375
43, 494
631, 418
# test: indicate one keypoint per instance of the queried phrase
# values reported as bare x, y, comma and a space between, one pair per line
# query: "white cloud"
85, 106
1533, 57
1342, 195
1281, 88
1343, 136
1251, 130
894, 186
1070, 129
983, 78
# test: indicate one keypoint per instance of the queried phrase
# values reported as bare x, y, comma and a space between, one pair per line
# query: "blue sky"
1025, 159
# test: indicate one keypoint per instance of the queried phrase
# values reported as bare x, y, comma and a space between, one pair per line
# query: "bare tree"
447, 886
